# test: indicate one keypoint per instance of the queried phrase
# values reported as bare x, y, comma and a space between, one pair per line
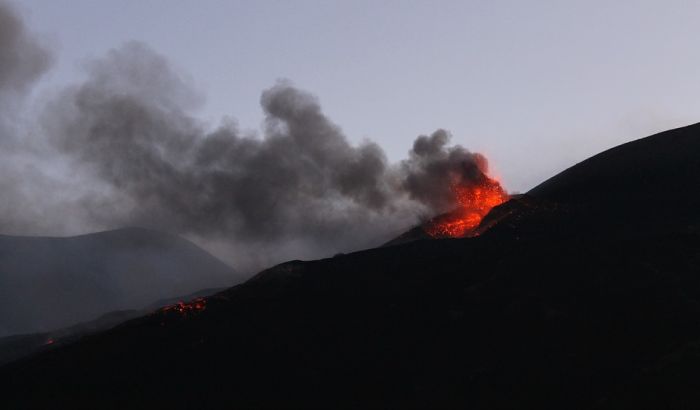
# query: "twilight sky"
536, 86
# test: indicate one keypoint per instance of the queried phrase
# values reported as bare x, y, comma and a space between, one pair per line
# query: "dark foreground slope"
48, 283
546, 310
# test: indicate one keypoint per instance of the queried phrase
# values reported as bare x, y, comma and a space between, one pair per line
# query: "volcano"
583, 293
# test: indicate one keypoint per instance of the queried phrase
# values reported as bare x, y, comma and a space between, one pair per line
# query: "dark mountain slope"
542, 311
48, 283
667, 162
648, 185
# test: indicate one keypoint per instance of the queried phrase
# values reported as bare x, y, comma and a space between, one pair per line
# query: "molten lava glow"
474, 203
185, 308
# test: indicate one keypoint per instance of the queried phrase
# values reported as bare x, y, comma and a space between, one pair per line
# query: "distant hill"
17, 346
583, 294
49, 283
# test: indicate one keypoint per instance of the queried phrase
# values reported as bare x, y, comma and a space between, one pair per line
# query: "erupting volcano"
462, 192
474, 202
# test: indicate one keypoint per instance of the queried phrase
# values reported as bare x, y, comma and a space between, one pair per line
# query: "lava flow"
474, 202
185, 308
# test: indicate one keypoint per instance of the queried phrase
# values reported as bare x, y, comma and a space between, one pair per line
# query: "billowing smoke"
434, 168
138, 156
22, 61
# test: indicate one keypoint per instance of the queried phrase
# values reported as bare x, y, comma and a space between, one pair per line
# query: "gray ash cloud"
22, 62
299, 189
434, 166
22, 58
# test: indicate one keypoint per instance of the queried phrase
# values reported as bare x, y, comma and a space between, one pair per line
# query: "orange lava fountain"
475, 201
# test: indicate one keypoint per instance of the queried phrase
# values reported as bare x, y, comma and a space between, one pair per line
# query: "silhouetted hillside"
584, 294
49, 283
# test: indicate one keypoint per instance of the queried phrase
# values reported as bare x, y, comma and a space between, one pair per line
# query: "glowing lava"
185, 308
475, 201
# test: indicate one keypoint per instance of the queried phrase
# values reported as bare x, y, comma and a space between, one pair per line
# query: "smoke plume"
132, 153
22, 59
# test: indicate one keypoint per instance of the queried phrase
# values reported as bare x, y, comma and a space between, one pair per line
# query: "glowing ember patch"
474, 203
49, 342
185, 308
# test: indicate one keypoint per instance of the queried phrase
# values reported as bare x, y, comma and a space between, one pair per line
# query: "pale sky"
534, 85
